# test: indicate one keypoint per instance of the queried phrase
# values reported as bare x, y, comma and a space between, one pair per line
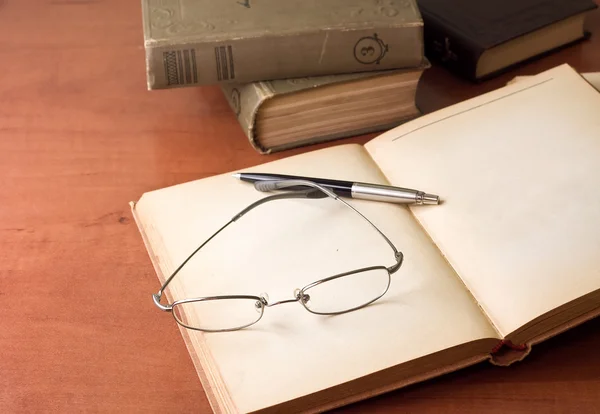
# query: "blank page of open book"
518, 170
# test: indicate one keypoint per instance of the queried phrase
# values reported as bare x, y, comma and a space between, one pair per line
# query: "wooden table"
80, 137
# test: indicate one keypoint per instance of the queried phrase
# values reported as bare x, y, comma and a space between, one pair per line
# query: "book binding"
190, 43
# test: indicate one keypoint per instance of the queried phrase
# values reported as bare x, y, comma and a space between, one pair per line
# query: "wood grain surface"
80, 137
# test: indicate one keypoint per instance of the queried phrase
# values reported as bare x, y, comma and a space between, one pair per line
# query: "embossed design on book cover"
170, 19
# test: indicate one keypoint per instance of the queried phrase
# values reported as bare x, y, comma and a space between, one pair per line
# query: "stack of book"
297, 72
294, 72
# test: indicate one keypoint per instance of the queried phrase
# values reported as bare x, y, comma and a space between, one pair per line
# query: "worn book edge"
507, 353
254, 95
246, 100
200, 355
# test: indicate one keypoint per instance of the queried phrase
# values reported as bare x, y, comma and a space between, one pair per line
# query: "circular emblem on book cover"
236, 101
370, 49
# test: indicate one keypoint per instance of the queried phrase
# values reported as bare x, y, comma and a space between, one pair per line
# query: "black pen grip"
339, 187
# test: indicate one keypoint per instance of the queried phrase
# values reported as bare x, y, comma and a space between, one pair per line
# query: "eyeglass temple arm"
291, 185
296, 185
305, 193
310, 193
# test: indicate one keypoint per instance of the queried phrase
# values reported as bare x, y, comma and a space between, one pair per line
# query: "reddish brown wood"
80, 136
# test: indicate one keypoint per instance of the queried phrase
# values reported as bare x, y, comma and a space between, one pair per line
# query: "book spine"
245, 100
251, 59
448, 47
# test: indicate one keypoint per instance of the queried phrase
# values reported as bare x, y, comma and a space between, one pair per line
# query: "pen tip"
431, 199
236, 175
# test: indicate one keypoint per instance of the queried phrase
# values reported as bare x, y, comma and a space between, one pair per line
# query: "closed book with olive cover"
281, 114
196, 42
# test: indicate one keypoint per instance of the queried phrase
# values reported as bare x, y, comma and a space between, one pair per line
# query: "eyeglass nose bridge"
298, 297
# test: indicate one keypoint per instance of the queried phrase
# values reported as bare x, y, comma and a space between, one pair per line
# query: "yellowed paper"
287, 244
519, 172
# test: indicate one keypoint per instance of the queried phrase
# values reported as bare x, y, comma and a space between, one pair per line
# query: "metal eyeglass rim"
317, 191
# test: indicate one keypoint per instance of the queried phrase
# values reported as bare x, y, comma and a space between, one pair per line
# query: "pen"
349, 189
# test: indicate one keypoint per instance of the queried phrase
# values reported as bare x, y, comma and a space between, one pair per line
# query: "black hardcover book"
479, 39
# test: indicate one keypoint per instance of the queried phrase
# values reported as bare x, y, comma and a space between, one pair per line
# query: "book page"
592, 77
518, 170
288, 244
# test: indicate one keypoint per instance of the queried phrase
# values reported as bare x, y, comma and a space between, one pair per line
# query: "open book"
509, 259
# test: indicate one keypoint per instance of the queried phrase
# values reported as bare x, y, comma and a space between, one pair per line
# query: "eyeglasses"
337, 294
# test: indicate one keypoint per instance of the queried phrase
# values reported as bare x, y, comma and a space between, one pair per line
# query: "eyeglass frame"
295, 189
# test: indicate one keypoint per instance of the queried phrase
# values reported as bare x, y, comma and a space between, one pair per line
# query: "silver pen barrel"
392, 194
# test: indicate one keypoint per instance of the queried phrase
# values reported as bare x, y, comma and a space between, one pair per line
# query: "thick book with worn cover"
480, 39
507, 260
282, 114
195, 42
